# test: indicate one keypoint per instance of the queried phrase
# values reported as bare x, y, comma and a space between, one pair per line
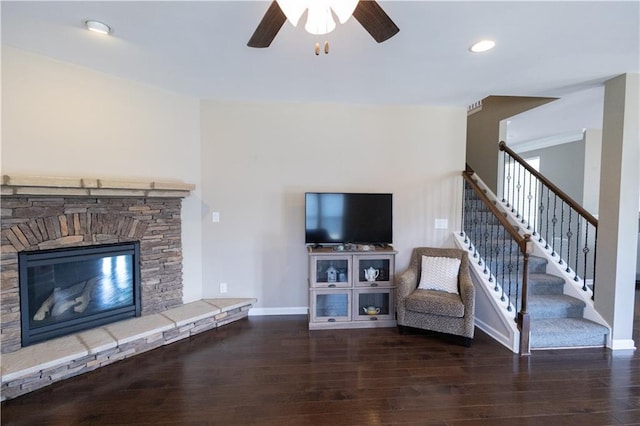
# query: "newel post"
524, 322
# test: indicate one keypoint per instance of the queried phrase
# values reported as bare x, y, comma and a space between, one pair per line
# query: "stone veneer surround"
45, 213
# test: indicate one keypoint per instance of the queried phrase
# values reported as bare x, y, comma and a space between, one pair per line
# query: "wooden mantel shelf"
91, 187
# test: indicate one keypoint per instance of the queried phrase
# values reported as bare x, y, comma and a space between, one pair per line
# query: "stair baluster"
556, 231
510, 274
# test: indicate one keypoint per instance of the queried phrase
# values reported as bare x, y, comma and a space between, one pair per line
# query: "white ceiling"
198, 48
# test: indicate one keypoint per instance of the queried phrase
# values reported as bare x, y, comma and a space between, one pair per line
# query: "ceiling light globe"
482, 46
97, 27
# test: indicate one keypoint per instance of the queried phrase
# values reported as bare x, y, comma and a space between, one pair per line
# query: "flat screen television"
348, 218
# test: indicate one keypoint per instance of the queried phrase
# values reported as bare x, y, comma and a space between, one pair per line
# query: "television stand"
350, 288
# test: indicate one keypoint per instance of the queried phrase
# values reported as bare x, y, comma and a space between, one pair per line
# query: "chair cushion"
435, 302
439, 273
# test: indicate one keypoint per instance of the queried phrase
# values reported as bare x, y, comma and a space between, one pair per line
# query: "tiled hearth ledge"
84, 187
42, 364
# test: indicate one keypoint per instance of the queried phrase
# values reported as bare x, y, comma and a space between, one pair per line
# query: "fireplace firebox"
64, 291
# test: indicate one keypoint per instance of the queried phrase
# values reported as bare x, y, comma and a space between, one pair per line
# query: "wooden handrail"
524, 243
497, 213
564, 197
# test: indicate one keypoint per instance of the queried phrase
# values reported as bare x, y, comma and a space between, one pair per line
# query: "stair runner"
557, 319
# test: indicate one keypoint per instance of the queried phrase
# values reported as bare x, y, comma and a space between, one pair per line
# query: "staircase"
557, 318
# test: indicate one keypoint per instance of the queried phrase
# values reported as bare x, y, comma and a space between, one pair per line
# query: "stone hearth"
45, 363
45, 213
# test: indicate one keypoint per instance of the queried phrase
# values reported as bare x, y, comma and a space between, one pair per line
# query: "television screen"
340, 218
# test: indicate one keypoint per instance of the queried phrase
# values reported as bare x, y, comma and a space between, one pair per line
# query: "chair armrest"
467, 293
406, 282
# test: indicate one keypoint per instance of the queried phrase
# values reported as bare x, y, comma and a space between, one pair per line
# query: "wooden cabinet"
351, 289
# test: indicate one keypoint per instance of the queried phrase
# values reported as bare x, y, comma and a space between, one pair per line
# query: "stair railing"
565, 228
497, 247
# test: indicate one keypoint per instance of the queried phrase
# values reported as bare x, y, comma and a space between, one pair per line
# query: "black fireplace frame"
28, 259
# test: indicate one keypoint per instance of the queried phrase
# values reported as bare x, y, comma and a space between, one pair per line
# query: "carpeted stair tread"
566, 332
557, 320
541, 284
544, 306
545, 284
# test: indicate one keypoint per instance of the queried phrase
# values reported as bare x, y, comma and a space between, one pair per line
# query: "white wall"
62, 120
258, 159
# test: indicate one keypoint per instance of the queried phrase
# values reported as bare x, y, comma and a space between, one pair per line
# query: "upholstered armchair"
425, 300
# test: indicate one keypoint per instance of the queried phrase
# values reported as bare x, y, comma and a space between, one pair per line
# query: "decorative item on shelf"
342, 277
332, 274
371, 310
371, 274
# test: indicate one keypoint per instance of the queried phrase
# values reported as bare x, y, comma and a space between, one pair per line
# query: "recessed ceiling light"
97, 27
482, 46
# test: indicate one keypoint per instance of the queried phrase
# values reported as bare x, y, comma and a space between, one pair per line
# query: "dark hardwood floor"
273, 371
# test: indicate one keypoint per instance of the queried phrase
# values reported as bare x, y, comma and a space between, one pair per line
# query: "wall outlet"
223, 287
215, 216
441, 224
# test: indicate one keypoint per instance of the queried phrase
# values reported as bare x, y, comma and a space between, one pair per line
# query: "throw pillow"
439, 273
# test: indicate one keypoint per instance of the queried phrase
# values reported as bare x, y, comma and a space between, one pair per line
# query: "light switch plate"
442, 224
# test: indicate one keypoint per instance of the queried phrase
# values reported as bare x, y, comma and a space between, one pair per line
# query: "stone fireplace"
63, 213
60, 215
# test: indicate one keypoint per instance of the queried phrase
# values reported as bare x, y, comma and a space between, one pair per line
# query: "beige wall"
484, 133
62, 120
553, 165
260, 158
592, 159
252, 162
618, 218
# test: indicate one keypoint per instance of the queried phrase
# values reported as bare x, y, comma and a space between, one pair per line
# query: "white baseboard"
622, 344
256, 312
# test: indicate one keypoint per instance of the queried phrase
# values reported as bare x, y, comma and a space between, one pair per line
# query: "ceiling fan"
368, 12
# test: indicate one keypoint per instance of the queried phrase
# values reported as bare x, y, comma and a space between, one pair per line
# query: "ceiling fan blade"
268, 27
375, 20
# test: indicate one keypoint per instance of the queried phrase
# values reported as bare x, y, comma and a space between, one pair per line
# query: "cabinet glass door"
373, 304
331, 271
330, 306
374, 271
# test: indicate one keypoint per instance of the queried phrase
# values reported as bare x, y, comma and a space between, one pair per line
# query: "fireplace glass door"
64, 291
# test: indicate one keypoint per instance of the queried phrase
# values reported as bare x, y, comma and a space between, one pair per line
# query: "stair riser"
536, 288
555, 312
557, 320
565, 340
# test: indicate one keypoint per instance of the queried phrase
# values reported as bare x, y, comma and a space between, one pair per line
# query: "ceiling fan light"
319, 20
343, 9
482, 46
293, 10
